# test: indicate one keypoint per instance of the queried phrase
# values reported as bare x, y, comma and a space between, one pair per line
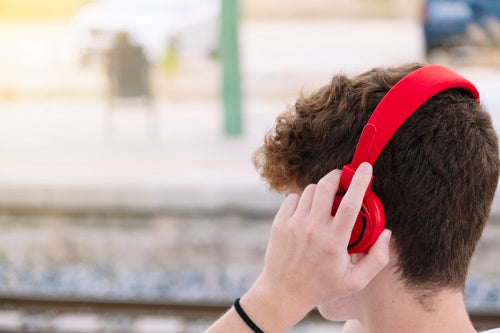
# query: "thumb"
372, 263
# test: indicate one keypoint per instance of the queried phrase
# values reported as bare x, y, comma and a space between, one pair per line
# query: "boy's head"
436, 177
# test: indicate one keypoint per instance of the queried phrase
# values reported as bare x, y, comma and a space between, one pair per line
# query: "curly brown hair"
436, 177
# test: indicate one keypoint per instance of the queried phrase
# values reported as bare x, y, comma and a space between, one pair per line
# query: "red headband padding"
398, 105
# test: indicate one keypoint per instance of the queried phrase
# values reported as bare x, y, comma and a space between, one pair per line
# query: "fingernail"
365, 168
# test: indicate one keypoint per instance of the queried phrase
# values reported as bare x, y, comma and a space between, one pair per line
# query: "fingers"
287, 208
326, 189
304, 206
317, 199
372, 263
351, 204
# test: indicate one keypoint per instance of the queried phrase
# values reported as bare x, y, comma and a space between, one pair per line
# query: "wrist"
271, 309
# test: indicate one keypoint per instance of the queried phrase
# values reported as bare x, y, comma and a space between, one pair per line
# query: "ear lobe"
373, 262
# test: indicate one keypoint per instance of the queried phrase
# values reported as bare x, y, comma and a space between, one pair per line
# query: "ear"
339, 309
352, 326
372, 263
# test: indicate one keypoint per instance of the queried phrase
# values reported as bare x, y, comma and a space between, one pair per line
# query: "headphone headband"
399, 104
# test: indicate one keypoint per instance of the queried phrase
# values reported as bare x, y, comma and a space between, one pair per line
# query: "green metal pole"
230, 67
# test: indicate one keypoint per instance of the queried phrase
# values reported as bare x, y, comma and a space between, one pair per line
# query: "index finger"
349, 207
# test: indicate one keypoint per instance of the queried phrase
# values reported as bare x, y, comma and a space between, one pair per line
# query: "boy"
436, 178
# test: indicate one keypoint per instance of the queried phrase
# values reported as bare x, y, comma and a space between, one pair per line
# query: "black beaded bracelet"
245, 317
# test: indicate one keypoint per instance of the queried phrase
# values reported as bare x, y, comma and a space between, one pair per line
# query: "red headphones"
397, 105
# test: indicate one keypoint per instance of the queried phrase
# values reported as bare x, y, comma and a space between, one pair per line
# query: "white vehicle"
190, 25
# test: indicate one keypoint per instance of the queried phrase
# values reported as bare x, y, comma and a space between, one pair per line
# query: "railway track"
186, 311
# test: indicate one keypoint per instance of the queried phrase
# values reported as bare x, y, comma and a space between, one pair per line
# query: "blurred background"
128, 200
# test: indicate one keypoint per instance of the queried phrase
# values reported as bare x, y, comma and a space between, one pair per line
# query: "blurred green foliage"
170, 62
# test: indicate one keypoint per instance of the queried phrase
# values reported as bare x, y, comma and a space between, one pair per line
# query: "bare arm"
230, 322
267, 310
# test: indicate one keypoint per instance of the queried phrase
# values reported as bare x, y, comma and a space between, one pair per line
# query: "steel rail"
186, 310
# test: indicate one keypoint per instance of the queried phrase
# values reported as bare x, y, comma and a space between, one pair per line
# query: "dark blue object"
445, 22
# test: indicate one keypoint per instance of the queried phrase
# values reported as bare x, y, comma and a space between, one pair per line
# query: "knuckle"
310, 234
361, 179
349, 209
359, 182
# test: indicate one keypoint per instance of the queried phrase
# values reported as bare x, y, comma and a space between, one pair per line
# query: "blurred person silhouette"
436, 177
127, 69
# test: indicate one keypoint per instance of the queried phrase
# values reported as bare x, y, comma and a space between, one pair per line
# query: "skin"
386, 305
307, 265
306, 262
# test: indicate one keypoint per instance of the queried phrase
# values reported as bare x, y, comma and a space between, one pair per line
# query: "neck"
387, 306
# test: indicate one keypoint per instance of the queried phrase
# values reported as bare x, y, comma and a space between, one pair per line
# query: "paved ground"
58, 154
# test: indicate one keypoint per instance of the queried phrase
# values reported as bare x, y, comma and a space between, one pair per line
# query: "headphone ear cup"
369, 224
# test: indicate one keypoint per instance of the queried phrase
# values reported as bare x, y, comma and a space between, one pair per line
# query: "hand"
306, 259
